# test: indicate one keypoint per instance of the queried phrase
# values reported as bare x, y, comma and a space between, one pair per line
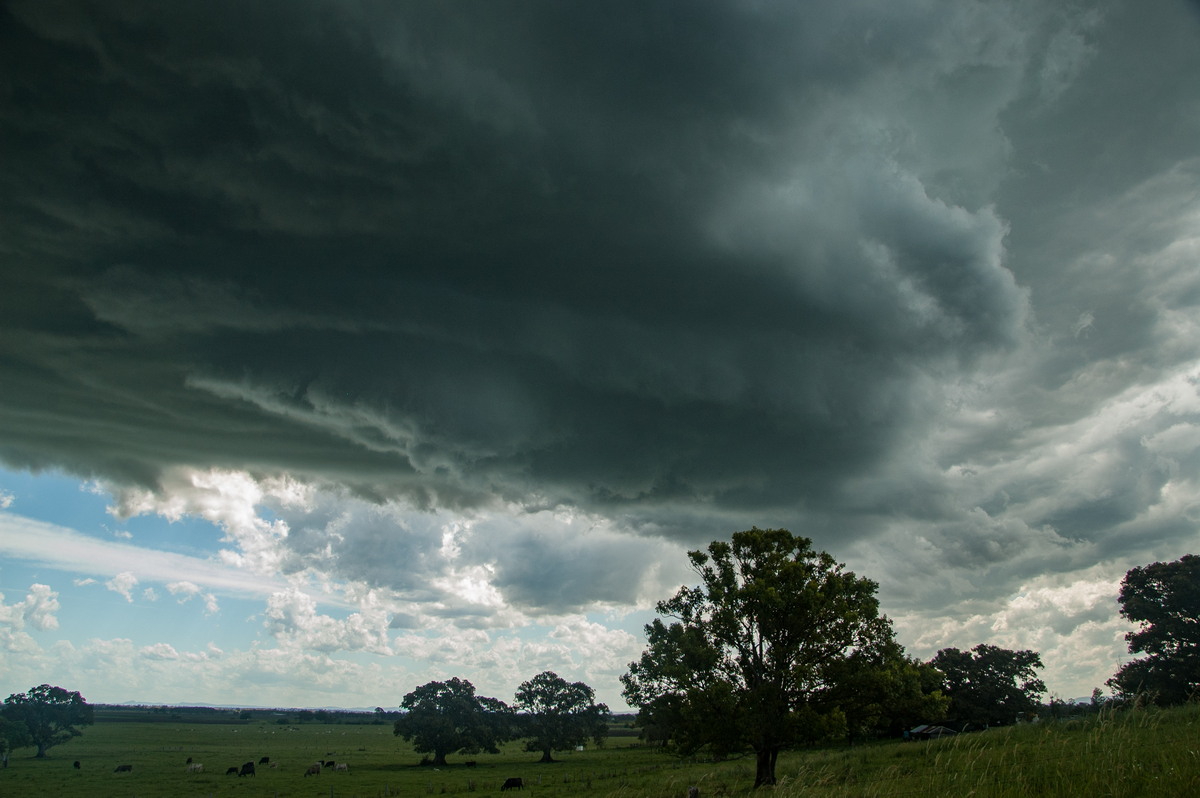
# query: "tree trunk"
41, 754
764, 771
546, 756
439, 758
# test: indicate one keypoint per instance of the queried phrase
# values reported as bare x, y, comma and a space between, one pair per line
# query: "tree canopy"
1164, 599
559, 714
989, 685
754, 650
49, 716
443, 718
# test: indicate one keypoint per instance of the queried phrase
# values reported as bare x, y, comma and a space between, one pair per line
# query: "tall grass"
1144, 752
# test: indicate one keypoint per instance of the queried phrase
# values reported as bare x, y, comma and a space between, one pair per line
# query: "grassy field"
1139, 753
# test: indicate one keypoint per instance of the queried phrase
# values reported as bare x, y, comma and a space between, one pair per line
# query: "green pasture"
1135, 753
380, 764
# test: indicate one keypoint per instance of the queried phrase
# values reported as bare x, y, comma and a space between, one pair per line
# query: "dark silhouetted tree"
748, 661
1164, 599
559, 714
882, 691
443, 718
50, 716
989, 685
13, 734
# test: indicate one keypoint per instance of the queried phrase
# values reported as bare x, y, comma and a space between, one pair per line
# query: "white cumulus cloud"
123, 584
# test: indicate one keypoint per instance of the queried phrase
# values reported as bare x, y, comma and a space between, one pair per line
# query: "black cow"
329, 765
265, 760
313, 769
247, 769
124, 769
512, 784
76, 764
233, 771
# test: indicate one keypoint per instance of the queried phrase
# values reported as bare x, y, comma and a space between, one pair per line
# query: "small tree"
882, 691
1164, 598
443, 718
560, 715
989, 685
50, 716
750, 658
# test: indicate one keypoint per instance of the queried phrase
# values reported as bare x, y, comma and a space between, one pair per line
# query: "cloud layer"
485, 317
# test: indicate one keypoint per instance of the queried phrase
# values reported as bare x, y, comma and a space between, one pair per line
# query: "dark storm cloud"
636, 258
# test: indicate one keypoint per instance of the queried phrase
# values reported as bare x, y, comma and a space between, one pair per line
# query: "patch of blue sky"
77, 504
186, 627
56, 498
633, 622
89, 609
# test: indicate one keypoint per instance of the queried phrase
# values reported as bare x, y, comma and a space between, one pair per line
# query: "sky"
346, 346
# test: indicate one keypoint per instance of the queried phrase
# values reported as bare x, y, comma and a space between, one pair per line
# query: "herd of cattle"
248, 768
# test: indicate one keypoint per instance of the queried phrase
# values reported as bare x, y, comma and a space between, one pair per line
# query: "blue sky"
416, 341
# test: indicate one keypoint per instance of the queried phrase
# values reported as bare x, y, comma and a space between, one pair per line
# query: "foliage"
989, 685
1164, 598
755, 648
51, 716
560, 715
13, 734
882, 691
659, 719
443, 718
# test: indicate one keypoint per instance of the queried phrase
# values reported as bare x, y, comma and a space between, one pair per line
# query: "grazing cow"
76, 764
247, 769
342, 766
693, 792
189, 761
233, 771
195, 767
329, 764
313, 769
124, 769
266, 760
512, 784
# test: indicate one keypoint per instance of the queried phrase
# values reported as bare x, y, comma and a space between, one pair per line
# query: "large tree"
559, 714
752, 650
443, 718
50, 716
989, 685
1164, 599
